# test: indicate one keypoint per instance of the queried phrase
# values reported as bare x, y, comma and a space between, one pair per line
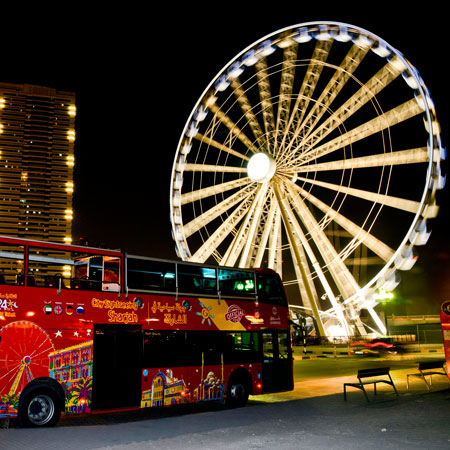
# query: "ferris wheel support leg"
299, 262
377, 320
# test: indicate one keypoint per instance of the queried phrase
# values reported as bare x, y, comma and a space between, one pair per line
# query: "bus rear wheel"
40, 408
237, 393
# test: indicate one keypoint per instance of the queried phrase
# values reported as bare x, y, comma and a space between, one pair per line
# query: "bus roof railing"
58, 246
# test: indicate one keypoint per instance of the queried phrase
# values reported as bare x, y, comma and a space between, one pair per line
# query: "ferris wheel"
314, 152
24, 356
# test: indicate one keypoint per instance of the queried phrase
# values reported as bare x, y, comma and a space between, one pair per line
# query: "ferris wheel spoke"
219, 146
339, 271
393, 117
213, 168
215, 239
268, 228
386, 200
43, 352
411, 156
12, 373
286, 87
233, 128
298, 275
204, 139
274, 250
256, 222
247, 109
298, 241
340, 77
217, 210
265, 97
363, 236
200, 194
246, 229
376, 84
306, 92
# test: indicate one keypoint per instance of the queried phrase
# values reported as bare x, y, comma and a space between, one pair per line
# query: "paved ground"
314, 415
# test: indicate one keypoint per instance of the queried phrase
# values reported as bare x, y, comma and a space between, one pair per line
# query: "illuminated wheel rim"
351, 143
24, 356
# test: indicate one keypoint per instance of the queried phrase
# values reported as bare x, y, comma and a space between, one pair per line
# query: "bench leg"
393, 385
365, 394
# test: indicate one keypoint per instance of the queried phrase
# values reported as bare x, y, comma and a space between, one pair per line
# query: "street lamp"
384, 297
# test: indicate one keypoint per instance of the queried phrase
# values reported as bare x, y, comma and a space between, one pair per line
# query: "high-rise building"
37, 134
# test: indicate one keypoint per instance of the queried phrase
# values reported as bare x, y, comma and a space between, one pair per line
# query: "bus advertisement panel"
87, 330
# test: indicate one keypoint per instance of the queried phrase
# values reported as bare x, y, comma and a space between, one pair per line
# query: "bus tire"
40, 407
237, 392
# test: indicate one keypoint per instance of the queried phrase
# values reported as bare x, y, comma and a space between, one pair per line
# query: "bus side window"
236, 283
196, 280
270, 289
150, 275
111, 274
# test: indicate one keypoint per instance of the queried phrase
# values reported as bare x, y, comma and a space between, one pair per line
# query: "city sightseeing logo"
234, 314
446, 308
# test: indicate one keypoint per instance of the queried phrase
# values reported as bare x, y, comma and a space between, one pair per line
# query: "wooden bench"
364, 376
426, 369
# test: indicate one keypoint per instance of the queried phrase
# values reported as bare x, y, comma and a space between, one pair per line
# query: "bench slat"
426, 365
376, 371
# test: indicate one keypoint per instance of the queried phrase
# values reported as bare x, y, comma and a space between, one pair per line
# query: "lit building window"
71, 135
72, 110
69, 186
70, 161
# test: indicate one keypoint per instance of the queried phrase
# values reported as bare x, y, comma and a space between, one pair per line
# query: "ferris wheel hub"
261, 167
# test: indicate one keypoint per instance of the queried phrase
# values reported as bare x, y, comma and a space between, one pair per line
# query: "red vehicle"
93, 330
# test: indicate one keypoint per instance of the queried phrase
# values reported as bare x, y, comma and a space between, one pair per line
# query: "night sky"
137, 75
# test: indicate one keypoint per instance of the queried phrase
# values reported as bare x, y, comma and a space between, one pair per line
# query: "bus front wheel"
40, 408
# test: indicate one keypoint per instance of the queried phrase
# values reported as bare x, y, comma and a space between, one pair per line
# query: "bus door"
277, 363
116, 373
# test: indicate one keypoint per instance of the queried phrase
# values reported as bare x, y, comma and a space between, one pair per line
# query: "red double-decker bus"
85, 330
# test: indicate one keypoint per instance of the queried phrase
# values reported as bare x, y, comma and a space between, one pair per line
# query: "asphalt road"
314, 415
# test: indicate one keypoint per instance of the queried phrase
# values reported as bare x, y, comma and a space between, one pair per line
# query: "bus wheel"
40, 408
237, 393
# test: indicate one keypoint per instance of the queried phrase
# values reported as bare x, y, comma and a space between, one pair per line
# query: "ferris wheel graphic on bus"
24, 356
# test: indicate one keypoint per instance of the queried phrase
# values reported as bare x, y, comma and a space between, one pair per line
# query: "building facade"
37, 134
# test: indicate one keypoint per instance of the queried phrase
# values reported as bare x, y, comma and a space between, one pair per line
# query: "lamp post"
384, 297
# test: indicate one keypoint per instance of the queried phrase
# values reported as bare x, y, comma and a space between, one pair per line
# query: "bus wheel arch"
41, 403
239, 387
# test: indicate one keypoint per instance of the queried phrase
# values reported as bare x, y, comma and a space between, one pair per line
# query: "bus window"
11, 264
97, 273
165, 349
236, 283
111, 274
150, 275
196, 280
270, 289
50, 268
242, 347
